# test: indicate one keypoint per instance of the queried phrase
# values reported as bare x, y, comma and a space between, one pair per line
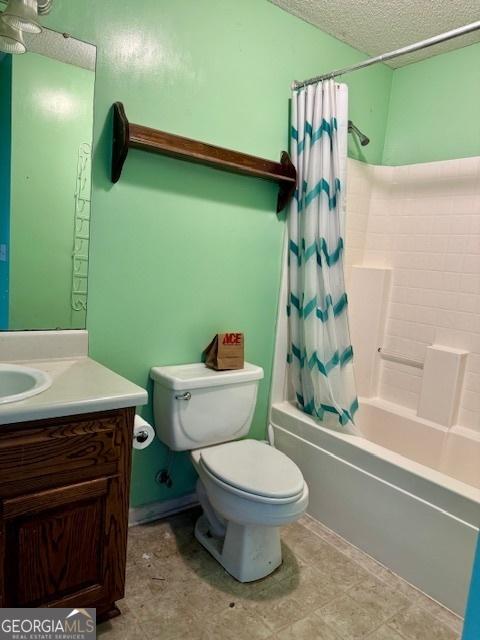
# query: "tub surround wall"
359, 191
369, 293
424, 224
442, 381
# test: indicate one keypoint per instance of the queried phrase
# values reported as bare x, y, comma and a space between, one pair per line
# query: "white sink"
18, 383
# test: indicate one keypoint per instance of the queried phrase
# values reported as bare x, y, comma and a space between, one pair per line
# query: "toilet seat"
252, 469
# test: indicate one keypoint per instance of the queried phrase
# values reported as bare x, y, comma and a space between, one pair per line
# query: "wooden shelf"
127, 135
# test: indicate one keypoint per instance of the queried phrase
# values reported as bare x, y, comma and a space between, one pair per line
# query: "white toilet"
247, 488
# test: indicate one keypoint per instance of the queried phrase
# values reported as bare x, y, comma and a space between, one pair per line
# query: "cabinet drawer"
50, 452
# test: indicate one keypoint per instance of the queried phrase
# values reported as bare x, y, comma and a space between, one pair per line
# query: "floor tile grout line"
327, 541
349, 544
385, 624
381, 579
310, 613
386, 620
418, 607
410, 603
336, 631
339, 550
253, 606
389, 619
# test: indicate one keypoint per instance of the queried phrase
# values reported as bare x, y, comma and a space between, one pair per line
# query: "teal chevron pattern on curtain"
320, 355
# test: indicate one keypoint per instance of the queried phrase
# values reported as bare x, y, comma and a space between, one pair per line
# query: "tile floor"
325, 589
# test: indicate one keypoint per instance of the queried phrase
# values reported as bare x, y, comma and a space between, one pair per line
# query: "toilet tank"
196, 407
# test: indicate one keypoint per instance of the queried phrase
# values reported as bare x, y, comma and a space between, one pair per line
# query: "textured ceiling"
379, 26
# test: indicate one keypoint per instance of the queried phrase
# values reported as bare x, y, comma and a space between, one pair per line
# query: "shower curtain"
320, 353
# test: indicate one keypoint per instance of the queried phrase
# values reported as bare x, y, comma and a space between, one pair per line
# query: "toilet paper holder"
143, 433
141, 436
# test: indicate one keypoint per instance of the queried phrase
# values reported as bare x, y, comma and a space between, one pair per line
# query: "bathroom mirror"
46, 122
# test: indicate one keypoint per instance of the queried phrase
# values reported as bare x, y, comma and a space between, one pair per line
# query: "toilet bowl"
247, 489
253, 489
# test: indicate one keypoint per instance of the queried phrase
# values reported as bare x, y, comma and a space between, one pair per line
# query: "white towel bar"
396, 357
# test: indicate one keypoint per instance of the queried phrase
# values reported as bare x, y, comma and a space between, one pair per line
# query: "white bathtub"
395, 492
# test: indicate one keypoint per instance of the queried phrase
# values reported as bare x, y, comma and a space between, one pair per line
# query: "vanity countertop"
79, 385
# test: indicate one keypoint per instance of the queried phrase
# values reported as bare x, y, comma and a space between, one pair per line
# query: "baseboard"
161, 509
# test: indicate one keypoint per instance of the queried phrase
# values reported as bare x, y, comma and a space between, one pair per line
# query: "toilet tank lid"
198, 376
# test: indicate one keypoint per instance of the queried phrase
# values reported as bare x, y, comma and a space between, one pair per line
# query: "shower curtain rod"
423, 44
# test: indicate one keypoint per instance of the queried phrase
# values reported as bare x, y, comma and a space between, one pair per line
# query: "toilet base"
246, 552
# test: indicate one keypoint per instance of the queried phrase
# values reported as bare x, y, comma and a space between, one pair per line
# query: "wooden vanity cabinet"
64, 493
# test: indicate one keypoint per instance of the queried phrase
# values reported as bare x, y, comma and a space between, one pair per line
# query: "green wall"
52, 116
179, 251
5, 149
434, 109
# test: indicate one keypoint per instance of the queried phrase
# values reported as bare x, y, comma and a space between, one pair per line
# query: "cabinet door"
64, 486
55, 551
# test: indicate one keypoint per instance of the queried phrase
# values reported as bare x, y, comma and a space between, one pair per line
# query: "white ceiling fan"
20, 16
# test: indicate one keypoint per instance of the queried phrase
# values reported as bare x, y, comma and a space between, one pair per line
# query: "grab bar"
396, 357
